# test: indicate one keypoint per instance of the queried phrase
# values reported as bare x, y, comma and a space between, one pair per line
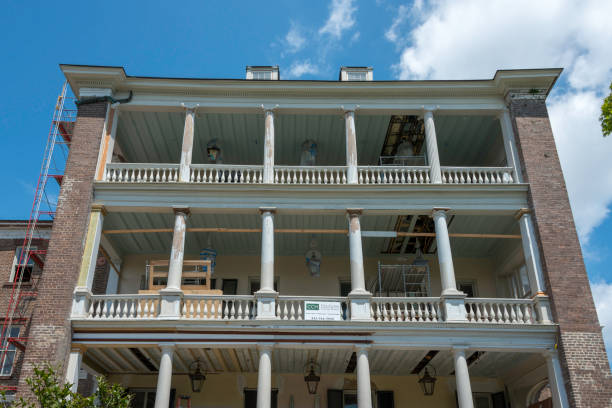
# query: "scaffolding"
43, 209
402, 280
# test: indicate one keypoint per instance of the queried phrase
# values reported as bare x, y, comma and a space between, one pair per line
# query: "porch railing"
477, 175
112, 307
292, 308
141, 173
310, 174
399, 309
513, 311
226, 174
393, 174
219, 307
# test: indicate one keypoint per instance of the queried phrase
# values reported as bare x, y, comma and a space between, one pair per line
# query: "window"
356, 76
9, 358
468, 287
384, 399
518, 283
345, 288
25, 268
262, 75
254, 285
145, 398
250, 398
229, 286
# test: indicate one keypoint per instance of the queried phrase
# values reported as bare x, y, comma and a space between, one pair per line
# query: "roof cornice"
115, 78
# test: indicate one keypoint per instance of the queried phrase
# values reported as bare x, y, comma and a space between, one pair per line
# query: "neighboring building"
359, 237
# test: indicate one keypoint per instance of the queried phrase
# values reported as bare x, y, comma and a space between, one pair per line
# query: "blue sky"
412, 39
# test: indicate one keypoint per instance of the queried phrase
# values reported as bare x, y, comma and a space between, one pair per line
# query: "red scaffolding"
43, 209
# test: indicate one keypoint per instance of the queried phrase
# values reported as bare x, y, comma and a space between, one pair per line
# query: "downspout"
93, 99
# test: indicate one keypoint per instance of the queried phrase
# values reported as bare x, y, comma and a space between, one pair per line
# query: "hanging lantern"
313, 259
213, 151
427, 382
312, 376
196, 376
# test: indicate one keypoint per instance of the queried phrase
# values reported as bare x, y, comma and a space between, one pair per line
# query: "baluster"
232, 311
204, 311
513, 313
344, 176
360, 180
403, 176
487, 179
420, 177
285, 311
278, 310
519, 313
434, 312
299, 315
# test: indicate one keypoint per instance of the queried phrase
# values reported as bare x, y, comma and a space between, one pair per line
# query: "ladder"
43, 209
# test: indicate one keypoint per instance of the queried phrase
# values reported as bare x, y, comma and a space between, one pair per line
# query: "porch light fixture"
196, 376
427, 382
312, 376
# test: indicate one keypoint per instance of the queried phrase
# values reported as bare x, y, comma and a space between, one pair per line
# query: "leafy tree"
50, 392
606, 114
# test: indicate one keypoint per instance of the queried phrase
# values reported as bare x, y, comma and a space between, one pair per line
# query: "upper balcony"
279, 147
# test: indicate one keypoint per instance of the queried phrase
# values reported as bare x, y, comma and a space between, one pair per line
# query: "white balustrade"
219, 307
141, 173
226, 174
512, 311
477, 175
394, 174
310, 174
115, 307
292, 307
406, 309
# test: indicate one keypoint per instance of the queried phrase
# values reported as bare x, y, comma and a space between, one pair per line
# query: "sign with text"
314, 310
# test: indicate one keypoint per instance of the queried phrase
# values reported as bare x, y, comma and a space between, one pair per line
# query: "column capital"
354, 212
362, 348
500, 113
265, 347
81, 348
520, 213
429, 109
190, 107
178, 210
438, 211
271, 210
459, 348
269, 108
99, 208
167, 346
349, 108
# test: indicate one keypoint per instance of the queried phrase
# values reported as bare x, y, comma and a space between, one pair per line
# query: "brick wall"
50, 331
584, 360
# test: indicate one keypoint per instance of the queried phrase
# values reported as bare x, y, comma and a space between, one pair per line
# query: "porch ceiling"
156, 137
249, 243
293, 360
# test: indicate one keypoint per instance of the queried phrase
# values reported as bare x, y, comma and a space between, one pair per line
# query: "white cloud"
602, 295
294, 39
340, 18
300, 68
474, 38
393, 33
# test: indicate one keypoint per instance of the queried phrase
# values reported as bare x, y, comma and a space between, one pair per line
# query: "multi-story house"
351, 243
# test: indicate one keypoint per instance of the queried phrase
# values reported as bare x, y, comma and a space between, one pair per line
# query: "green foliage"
606, 114
50, 392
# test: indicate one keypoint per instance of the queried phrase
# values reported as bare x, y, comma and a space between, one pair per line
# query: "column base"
359, 303
542, 306
80, 302
454, 306
266, 305
170, 304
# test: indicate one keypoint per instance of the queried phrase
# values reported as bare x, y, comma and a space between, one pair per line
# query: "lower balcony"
385, 310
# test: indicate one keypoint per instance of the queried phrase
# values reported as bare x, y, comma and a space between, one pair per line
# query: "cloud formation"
341, 18
473, 38
294, 39
300, 68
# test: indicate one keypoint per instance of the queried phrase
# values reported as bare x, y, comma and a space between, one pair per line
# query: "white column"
555, 380
445, 257
364, 390
531, 252
187, 149
356, 252
512, 157
264, 377
433, 157
175, 268
107, 144
268, 162
164, 376
267, 249
462, 378
351, 146
266, 295
73, 367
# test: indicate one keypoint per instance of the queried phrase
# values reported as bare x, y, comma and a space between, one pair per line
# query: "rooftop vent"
356, 74
262, 73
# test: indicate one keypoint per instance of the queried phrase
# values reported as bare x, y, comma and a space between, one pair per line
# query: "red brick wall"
587, 374
50, 333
